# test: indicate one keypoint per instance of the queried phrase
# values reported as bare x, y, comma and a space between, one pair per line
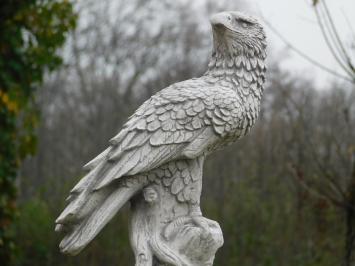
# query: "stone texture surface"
156, 160
162, 228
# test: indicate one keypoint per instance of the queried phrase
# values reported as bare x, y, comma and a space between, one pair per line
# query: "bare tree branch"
340, 42
305, 56
297, 173
330, 46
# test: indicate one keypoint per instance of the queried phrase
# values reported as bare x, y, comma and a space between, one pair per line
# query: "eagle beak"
221, 19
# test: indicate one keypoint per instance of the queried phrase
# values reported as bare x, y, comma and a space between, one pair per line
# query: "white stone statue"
156, 160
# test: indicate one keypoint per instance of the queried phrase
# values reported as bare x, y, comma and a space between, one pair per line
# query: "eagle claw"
202, 222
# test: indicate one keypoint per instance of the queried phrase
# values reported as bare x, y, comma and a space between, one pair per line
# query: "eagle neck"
244, 72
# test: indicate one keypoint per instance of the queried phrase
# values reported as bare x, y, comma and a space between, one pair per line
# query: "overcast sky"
297, 22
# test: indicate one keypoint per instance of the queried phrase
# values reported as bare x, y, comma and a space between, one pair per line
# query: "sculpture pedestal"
162, 233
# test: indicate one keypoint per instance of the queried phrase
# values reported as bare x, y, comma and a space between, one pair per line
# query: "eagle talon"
201, 222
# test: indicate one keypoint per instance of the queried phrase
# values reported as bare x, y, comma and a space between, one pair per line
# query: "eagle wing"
181, 121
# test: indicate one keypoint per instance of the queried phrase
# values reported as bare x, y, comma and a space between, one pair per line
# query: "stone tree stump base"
162, 233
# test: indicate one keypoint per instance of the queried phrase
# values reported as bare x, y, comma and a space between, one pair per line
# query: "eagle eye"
244, 23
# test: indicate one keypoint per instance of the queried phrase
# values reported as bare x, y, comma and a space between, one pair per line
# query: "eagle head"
235, 33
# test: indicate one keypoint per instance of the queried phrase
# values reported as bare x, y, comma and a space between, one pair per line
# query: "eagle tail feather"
88, 213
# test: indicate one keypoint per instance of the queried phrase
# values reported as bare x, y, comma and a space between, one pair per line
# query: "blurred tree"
329, 182
30, 33
335, 185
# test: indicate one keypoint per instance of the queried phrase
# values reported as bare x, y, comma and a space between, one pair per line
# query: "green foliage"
30, 33
35, 219
38, 243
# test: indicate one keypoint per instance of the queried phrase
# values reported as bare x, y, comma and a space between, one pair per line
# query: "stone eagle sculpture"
156, 160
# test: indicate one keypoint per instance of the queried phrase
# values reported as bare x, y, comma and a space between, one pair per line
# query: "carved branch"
162, 232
